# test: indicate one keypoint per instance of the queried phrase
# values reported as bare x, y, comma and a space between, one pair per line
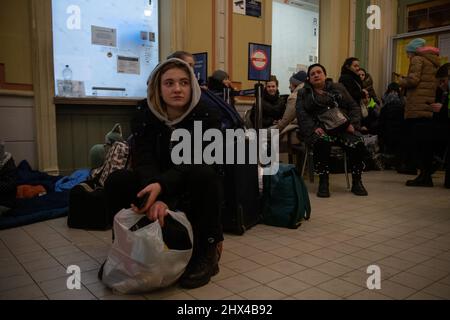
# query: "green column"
362, 32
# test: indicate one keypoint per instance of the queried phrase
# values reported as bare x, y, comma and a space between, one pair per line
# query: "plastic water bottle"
67, 84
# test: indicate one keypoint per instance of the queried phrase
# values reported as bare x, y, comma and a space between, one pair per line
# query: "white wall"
293, 41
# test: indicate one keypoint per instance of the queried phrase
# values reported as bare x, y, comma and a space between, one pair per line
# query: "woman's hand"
320, 132
365, 97
158, 211
436, 107
153, 190
227, 83
364, 130
365, 94
350, 129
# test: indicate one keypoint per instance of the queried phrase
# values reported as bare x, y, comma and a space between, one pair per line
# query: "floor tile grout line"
27, 272
61, 264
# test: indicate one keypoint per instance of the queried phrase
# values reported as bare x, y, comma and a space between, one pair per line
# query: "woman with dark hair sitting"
160, 182
327, 114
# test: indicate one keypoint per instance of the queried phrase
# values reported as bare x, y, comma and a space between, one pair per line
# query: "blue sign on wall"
253, 8
259, 62
201, 67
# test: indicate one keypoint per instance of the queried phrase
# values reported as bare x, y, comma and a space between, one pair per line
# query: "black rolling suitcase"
242, 207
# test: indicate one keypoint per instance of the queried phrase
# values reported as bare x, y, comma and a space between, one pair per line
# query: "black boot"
201, 268
357, 186
422, 180
324, 186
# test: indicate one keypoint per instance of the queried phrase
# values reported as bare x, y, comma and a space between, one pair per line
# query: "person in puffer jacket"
420, 84
316, 98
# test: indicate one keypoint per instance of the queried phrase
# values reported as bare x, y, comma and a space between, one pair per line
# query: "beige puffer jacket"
290, 114
421, 85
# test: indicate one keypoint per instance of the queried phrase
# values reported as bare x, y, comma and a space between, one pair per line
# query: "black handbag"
333, 119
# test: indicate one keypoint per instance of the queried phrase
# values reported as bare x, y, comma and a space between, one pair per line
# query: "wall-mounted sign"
259, 62
251, 8
201, 67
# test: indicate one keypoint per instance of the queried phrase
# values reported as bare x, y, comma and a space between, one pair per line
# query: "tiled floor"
404, 231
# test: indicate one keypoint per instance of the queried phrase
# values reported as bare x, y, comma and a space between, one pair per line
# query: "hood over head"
154, 98
431, 54
391, 97
428, 49
415, 44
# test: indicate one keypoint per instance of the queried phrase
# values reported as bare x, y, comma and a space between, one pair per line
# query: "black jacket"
273, 108
308, 110
441, 119
152, 147
391, 122
368, 85
353, 83
225, 93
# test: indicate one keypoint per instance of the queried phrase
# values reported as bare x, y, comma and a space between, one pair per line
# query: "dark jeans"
407, 153
420, 142
201, 199
322, 150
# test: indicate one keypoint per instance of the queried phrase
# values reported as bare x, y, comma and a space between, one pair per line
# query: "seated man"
288, 124
273, 105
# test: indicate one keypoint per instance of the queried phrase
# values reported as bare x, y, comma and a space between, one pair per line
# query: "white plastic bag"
139, 261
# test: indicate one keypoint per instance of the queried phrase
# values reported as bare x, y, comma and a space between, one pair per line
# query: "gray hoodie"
196, 93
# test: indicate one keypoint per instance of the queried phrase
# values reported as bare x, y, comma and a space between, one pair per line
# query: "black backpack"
230, 118
88, 207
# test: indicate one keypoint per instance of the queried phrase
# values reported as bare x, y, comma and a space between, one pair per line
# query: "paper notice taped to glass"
71, 88
104, 36
128, 65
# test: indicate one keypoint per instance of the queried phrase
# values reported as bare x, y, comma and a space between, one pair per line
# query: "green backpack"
285, 198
